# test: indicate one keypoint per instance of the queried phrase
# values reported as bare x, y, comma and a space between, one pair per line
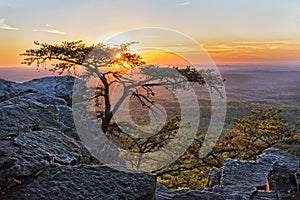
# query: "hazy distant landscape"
261, 82
264, 86
247, 87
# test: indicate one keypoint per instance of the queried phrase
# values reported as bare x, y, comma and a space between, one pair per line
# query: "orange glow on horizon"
254, 52
166, 58
9, 55
246, 52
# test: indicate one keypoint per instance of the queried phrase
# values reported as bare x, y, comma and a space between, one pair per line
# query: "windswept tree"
119, 66
108, 65
95, 60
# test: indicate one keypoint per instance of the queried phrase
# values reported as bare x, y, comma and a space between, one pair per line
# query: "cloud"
55, 31
6, 26
49, 29
184, 3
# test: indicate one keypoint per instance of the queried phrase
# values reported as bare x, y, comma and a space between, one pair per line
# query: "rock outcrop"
42, 156
85, 182
274, 175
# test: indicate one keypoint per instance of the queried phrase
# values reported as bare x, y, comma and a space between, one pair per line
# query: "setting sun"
118, 55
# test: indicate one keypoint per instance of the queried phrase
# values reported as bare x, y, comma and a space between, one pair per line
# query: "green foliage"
69, 53
250, 136
147, 144
150, 141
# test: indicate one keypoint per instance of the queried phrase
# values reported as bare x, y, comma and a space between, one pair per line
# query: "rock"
58, 86
247, 193
266, 196
245, 173
273, 176
44, 106
297, 179
45, 99
272, 171
55, 86
38, 135
37, 129
24, 114
281, 175
288, 160
163, 193
198, 195
214, 177
238, 192
280, 181
86, 182
30, 152
8, 90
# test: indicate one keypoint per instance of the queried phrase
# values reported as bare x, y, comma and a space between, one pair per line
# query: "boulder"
198, 195
214, 177
8, 90
58, 86
234, 192
42, 156
37, 129
245, 173
55, 86
162, 193
266, 195
85, 182
29, 113
31, 152
274, 175
273, 154
297, 179
280, 180
281, 177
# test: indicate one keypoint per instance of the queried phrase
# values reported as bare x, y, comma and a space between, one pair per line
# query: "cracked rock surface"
273, 176
86, 182
42, 156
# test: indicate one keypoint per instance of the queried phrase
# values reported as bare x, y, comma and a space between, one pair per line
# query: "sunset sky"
231, 31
